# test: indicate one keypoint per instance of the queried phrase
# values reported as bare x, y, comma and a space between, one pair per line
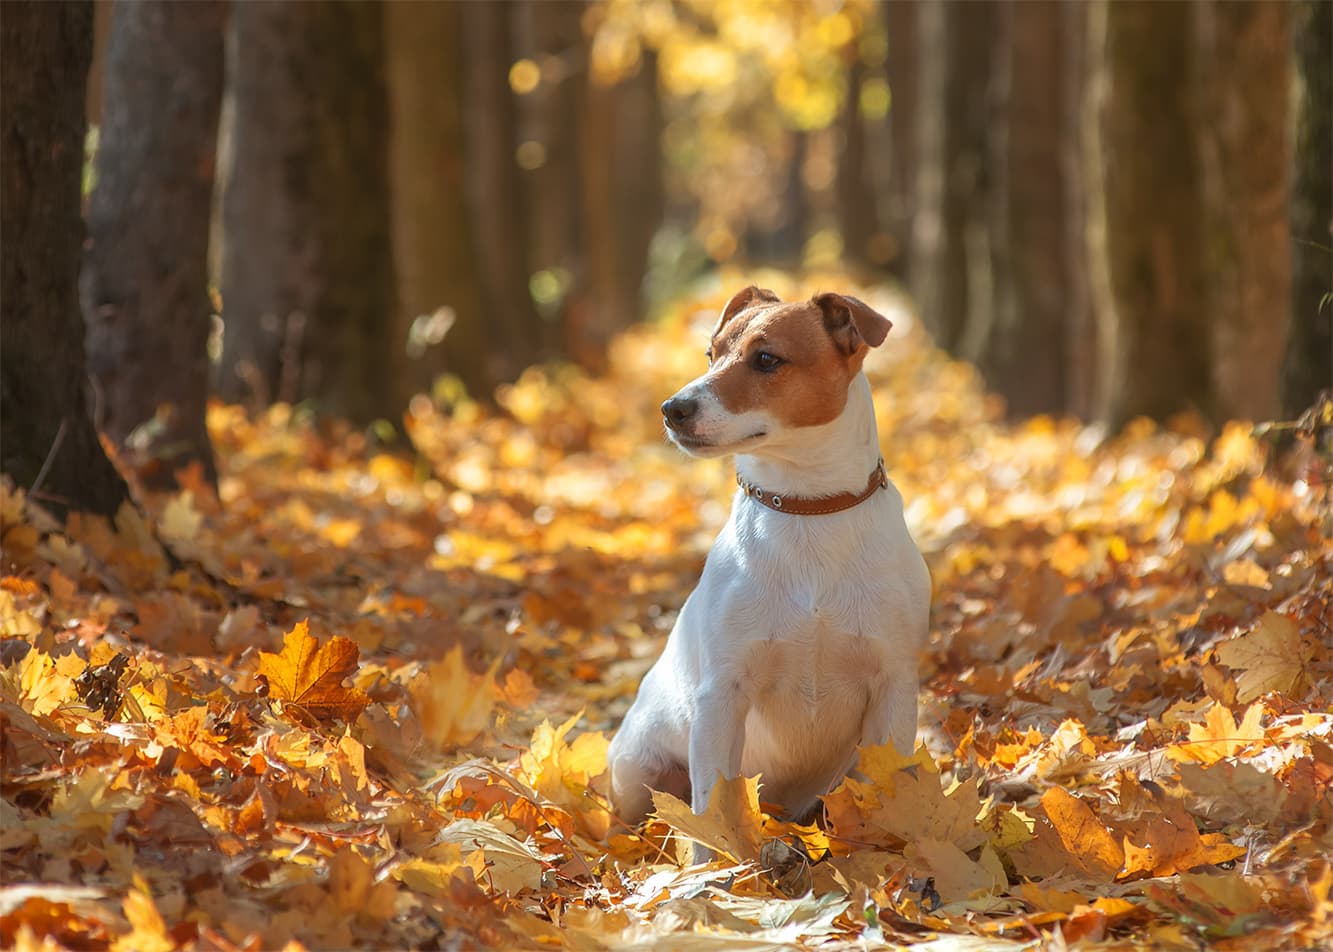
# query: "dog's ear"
741, 300
850, 321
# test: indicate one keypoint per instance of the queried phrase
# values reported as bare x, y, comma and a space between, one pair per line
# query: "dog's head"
773, 366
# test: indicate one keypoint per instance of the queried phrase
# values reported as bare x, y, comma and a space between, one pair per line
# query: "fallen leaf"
1271, 657
309, 675
732, 824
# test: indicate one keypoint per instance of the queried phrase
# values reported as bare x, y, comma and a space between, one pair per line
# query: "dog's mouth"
700, 447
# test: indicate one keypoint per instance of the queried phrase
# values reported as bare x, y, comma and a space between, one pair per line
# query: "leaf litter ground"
368, 704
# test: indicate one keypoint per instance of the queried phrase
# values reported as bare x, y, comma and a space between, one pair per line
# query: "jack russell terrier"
800, 642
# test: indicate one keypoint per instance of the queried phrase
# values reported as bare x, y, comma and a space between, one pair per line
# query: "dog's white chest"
812, 665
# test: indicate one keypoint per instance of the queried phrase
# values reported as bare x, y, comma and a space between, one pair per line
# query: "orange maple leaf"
310, 675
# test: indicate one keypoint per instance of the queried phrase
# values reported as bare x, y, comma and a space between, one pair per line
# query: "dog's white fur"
800, 642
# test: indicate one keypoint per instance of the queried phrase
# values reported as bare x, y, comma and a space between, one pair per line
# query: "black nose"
679, 410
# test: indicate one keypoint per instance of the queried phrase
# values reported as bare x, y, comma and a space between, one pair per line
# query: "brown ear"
741, 300
850, 321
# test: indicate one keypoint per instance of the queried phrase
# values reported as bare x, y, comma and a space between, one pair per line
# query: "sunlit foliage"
368, 702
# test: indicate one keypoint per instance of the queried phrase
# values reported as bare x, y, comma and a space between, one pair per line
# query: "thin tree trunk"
856, 200
307, 275
640, 193
1079, 109
903, 68
1245, 73
497, 210
551, 117
950, 258
145, 268
1019, 339
1153, 215
436, 266
46, 433
1308, 367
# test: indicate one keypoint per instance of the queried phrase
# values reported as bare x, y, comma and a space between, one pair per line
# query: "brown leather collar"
816, 505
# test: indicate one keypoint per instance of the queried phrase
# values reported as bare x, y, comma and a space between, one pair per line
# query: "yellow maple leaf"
148, 933
893, 800
309, 675
453, 703
1271, 657
42, 688
1071, 839
1219, 736
732, 824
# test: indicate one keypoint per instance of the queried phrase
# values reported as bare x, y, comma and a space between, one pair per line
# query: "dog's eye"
709, 354
764, 362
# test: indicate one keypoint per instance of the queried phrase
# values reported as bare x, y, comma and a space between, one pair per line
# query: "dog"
800, 642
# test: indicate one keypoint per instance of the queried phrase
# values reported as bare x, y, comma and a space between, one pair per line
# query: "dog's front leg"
892, 715
717, 740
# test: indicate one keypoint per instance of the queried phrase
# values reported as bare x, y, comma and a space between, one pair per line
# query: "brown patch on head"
742, 299
784, 360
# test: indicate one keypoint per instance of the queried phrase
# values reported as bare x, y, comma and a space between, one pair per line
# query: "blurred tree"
857, 218
903, 70
1018, 337
556, 50
47, 439
145, 268
1245, 84
432, 240
950, 258
497, 209
1154, 213
1308, 367
307, 273
620, 149
1081, 178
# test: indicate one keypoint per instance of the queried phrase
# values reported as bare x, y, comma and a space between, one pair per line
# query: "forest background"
359, 314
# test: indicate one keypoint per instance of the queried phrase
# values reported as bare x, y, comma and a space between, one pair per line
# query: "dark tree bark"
551, 116
497, 210
145, 270
45, 426
903, 67
1079, 110
950, 258
622, 204
855, 197
1019, 341
307, 274
432, 241
1308, 366
1153, 215
1245, 79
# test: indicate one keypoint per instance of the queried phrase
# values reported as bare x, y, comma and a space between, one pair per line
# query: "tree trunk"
1245, 64
856, 199
145, 268
1308, 367
620, 136
551, 116
496, 206
432, 240
903, 67
307, 274
1079, 110
639, 183
1153, 211
1019, 340
47, 436
950, 259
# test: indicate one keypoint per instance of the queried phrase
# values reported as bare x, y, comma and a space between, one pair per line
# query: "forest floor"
371, 708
